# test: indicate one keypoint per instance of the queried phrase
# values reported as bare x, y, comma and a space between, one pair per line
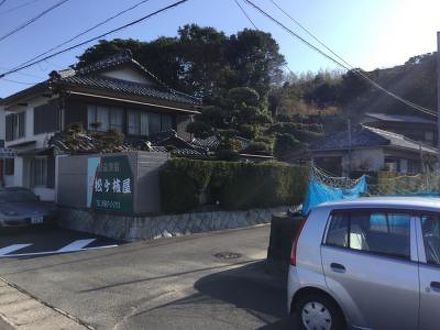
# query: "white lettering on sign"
98, 185
116, 187
106, 185
126, 189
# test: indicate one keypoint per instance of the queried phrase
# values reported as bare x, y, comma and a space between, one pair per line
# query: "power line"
10, 10
246, 14
18, 82
32, 20
84, 32
346, 67
356, 70
2, 2
24, 73
256, 28
175, 4
310, 33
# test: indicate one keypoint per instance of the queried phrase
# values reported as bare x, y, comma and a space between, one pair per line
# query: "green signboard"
113, 185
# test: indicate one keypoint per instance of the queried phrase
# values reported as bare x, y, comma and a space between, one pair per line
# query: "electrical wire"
173, 5
2, 2
10, 10
18, 82
32, 20
345, 66
84, 32
256, 28
246, 14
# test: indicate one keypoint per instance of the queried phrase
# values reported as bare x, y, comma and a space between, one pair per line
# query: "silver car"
370, 263
21, 207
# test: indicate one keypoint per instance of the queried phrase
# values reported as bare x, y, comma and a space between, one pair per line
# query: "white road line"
77, 245
12, 248
31, 254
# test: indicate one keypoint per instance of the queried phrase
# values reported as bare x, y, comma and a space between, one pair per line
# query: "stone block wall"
132, 228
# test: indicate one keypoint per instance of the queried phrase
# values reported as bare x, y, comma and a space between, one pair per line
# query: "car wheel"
318, 312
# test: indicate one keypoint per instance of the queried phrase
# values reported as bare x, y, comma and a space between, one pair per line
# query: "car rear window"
385, 233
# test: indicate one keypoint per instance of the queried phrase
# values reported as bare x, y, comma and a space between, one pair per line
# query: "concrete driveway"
204, 281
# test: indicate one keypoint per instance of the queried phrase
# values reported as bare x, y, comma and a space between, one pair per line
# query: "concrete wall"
71, 181
131, 228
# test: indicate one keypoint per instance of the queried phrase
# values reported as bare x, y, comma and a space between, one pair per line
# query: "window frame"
45, 161
17, 123
421, 240
9, 167
413, 241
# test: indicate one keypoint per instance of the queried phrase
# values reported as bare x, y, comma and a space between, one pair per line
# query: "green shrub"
188, 184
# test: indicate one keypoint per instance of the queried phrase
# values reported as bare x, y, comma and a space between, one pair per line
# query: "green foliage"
200, 129
201, 60
285, 144
234, 185
301, 132
259, 147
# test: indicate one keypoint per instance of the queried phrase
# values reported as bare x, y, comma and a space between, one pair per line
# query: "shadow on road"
248, 288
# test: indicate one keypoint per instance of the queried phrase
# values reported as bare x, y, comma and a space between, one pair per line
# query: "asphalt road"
204, 281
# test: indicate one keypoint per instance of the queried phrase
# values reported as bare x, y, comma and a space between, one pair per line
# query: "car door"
368, 266
429, 227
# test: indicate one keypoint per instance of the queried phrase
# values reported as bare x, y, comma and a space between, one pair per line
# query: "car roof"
423, 203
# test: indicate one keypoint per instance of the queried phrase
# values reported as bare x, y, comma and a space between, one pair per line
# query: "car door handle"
338, 268
435, 286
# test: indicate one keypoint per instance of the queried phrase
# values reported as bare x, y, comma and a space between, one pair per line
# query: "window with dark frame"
9, 166
431, 237
384, 233
39, 172
15, 125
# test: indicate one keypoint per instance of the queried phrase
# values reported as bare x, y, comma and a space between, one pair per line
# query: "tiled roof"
84, 143
128, 87
364, 136
213, 142
400, 118
89, 76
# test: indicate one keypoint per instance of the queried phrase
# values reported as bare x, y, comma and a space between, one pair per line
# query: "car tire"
317, 311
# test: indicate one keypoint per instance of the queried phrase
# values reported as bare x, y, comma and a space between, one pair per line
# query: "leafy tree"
202, 61
285, 144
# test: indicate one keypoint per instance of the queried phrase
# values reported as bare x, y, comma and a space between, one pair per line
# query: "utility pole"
349, 145
438, 101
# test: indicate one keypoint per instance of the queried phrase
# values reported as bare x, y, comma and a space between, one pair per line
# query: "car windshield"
17, 196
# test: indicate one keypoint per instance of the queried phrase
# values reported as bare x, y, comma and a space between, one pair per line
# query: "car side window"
431, 238
338, 230
385, 233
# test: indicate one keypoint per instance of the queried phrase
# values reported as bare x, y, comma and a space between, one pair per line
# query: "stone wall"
132, 228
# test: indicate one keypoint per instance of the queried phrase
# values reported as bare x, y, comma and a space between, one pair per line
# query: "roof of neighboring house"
90, 78
364, 136
213, 142
400, 118
85, 143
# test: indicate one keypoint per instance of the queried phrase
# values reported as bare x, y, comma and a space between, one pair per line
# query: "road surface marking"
77, 245
12, 248
31, 254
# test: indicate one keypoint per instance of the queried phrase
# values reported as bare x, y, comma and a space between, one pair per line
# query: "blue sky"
367, 33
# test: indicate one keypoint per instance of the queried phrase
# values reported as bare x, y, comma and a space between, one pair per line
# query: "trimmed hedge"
188, 184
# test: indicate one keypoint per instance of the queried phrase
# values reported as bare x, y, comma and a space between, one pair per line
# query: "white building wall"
128, 74
22, 164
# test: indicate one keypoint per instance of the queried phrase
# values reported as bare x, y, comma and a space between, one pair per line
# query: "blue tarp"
318, 193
